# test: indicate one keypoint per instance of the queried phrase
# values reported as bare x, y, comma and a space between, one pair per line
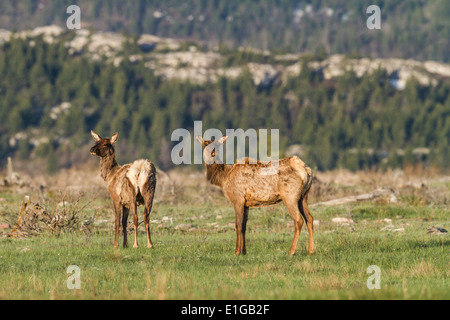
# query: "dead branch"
387, 194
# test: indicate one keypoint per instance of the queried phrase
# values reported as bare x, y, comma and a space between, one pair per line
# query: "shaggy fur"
245, 186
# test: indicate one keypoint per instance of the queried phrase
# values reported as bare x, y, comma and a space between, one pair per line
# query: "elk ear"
114, 138
223, 139
95, 136
200, 139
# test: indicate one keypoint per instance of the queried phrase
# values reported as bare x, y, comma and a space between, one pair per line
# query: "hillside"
411, 29
363, 113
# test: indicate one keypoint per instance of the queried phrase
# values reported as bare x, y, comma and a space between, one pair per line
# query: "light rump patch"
138, 174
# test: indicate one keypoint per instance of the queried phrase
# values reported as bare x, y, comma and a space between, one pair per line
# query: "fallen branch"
377, 194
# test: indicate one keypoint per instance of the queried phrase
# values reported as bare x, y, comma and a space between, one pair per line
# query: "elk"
129, 185
245, 187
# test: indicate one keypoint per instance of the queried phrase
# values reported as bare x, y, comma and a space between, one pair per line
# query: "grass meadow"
194, 257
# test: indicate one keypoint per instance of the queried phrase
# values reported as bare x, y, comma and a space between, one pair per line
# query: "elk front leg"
292, 206
239, 211
125, 212
118, 213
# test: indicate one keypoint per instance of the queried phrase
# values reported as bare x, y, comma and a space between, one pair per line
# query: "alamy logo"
74, 281
374, 21
257, 146
374, 281
74, 21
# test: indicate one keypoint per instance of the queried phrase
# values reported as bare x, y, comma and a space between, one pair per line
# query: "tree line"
348, 122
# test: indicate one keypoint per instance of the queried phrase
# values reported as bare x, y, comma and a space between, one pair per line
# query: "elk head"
103, 146
211, 147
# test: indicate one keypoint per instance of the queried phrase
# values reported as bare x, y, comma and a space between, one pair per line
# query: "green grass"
202, 265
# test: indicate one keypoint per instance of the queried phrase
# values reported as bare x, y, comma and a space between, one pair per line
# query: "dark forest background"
349, 122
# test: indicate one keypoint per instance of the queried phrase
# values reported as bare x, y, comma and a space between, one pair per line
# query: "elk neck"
108, 165
216, 173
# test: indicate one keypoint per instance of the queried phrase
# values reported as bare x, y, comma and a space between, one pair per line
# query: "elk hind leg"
135, 222
118, 213
303, 206
244, 229
125, 212
298, 222
147, 210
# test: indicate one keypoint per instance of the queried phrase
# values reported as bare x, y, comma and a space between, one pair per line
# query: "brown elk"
245, 186
129, 185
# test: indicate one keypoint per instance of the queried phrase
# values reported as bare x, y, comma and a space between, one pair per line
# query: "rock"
105, 44
5, 35
149, 42
58, 110
387, 221
77, 45
183, 227
197, 67
391, 227
343, 221
436, 230
393, 198
437, 68
49, 33
402, 70
262, 74
166, 219
102, 221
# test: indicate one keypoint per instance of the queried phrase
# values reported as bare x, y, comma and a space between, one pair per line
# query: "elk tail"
308, 183
305, 190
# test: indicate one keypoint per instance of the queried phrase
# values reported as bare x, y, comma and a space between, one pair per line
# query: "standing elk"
245, 186
129, 185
